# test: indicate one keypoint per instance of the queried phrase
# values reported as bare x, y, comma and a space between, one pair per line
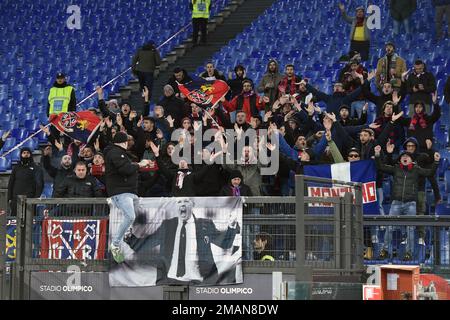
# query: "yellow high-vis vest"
59, 99
201, 9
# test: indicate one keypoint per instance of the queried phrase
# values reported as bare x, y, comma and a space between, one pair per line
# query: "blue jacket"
336, 100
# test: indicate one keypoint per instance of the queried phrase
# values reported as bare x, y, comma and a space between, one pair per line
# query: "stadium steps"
235, 23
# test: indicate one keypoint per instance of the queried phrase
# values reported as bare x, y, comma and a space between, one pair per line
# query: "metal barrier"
320, 236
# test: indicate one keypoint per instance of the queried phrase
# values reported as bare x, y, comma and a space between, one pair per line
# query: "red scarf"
408, 167
284, 83
418, 118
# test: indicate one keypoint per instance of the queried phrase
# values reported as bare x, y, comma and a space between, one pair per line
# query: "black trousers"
363, 47
199, 24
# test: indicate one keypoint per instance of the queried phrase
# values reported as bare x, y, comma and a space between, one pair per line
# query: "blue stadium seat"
5, 164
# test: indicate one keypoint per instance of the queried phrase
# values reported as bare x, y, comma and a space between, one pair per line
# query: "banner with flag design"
74, 239
78, 125
357, 171
204, 93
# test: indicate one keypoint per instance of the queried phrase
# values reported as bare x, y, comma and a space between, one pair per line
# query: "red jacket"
246, 107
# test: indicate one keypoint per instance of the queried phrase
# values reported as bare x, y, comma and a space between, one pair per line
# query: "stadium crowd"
397, 133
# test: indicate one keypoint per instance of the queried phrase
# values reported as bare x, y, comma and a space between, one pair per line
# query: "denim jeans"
399, 208
357, 107
127, 203
405, 24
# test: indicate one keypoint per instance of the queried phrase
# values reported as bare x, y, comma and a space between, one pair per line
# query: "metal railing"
310, 236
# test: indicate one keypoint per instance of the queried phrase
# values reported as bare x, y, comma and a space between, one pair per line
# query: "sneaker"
407, 257
421, 242
117, 253
383, 254
368, 253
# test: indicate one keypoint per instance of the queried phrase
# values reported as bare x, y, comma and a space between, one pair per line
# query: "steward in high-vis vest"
200, 15
61, 97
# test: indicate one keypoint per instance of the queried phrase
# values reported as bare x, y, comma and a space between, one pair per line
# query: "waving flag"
77, 125
74, 239
357, 171
204, 93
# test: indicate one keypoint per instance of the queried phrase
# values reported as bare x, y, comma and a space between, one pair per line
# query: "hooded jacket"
121, 175
26, 179
146, 59
272, 80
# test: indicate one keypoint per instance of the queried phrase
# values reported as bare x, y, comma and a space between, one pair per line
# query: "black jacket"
26, 179
189, 182
429, 84
58, 175
405, 184
173, 81
164, 236
121, 174
212, 181
173, 107
74, 187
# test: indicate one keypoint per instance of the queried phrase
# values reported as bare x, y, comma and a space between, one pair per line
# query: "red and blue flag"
80, 125
77, 239
204, 93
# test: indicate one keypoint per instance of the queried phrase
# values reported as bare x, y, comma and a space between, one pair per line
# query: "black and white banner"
195, 241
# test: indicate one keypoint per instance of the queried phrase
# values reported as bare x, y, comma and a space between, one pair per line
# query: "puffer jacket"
405, 184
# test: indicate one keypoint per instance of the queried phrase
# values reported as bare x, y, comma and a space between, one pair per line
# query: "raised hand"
371, 75
97, 144
45, 129
159, 134
99, 91
377, 150
155, 149
119, 120
341, 6
332, 116
196, 125
366, 106
374, 125
437, 156
429, 144
267, 116
396, 98
266, 99
141, 119
108, 122
5, 135
396, 116
145, 93
58, 145
434, 96
170, 120
390, 147
133, 114
270, 146
328, 135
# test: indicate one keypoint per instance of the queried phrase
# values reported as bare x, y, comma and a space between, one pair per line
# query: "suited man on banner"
185, 246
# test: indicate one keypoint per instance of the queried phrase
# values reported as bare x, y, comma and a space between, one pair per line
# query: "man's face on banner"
184, 209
